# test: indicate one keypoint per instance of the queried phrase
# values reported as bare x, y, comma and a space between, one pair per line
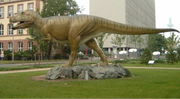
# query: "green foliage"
136, 40
171, 42
20, 55
178, 53
156, 42
59, 7
118, 40
100, 40
7, 55
146, 56
171, 56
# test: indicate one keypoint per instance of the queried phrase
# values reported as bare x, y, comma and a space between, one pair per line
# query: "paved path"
44, 69
22, 71
30, 64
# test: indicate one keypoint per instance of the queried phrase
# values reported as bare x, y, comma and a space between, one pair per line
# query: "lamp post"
12, 45
13, 49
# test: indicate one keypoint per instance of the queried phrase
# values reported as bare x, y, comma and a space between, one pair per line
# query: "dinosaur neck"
38, 23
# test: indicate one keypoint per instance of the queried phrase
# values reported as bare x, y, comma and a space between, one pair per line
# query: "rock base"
87, 72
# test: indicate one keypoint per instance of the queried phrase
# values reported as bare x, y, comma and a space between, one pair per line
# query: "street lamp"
12, 48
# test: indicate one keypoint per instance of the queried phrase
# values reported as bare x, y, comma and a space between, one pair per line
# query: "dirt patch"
43, 78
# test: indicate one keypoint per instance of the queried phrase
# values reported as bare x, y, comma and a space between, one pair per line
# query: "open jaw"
22, 25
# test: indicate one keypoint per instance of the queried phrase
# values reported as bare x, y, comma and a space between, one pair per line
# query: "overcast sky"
165, 10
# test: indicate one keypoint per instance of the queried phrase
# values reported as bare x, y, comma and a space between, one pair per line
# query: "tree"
136, 39
100, 40
171, 44
172, 41
156, 42
118, 40
53, 8
59, 7
146, 56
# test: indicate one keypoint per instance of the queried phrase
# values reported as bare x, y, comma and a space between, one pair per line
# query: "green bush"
146, 56
18, 55
171, 56
160, 61
7, 55
178, 54
28, 55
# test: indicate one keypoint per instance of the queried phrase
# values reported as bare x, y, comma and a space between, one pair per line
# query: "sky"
165, 10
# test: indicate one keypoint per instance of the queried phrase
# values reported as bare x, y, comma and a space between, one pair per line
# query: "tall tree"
59, 7
156, 42
136, 40
172, 43
55, 8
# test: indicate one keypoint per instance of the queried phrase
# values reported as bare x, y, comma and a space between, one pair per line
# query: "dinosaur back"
119, 28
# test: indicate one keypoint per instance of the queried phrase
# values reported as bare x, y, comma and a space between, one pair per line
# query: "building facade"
132, 12
15, 40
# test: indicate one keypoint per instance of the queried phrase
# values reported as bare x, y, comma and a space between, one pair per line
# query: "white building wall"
133, 12
108, 9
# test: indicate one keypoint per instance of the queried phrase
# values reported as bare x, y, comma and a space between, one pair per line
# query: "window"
1, 29
20, 8
10, 46
30, 45
30, 6
10, 30
1, 12
10, 11
1, 46
20, 46
20, 31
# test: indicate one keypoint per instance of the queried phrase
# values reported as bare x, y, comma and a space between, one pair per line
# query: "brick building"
19, 40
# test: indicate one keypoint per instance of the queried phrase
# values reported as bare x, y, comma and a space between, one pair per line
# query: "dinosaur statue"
76, 30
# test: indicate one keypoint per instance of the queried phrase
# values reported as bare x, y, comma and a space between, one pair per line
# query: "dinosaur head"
24, 19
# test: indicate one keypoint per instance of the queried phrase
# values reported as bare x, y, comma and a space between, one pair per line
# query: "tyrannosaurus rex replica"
76, 30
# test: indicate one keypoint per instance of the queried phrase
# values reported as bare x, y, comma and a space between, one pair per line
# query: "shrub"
178, 54
7, 55
28, 55
171, 57
146, 56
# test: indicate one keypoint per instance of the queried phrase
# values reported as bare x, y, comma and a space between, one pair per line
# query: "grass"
145, 84
134, 63
177, 65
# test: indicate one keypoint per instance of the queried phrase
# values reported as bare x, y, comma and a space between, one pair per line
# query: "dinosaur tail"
118, 28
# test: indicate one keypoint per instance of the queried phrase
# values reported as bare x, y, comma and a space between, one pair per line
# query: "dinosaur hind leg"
93, 45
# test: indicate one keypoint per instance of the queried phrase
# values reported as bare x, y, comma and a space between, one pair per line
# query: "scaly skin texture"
76, 30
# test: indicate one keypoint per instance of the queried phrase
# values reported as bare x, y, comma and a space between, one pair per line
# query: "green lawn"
176, 65
145, 84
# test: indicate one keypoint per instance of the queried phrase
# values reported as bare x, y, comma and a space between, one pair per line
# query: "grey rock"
94, 72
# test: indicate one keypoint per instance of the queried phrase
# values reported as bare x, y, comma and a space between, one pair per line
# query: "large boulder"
87, 72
